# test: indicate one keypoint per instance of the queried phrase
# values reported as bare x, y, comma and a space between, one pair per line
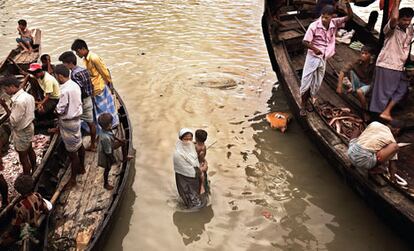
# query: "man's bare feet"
202, 190
108, 187
386, 116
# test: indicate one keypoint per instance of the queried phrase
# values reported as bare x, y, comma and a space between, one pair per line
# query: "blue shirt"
83, 79
105, 147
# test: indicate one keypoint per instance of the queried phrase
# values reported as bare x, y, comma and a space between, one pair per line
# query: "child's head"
10, 84
105, 121
200, 136
62, 73
68, 58
80, 47
45, 58
366, 53
24, 184
327, 14
405, 16
22, 24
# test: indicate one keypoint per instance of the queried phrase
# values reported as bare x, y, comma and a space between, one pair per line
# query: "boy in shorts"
25, 39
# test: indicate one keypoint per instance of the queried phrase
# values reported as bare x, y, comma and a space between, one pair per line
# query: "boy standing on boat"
101, 81
21, 121
360, 74
391, 84
82, 78
50, 88
320, 41
25, 40
375, 146
69, 110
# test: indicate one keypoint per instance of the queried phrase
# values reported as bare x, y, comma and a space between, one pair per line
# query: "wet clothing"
106, 149
98, 71
312, 75
22, 139
388, 85
49, 86
104, 102
189, 191
394, 54
322, 38
363, 70
29, 210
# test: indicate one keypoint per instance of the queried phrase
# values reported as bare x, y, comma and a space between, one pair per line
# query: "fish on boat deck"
279, 120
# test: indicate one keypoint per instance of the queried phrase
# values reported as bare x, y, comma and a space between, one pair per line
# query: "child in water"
106, 146
201, 149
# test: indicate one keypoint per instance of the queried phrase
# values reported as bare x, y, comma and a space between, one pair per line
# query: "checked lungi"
104, 102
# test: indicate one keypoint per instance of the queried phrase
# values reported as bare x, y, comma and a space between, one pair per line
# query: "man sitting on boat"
50, 91
25, 40
101, 81
375, 146
30, 209
320, 42
391, 84
360, 74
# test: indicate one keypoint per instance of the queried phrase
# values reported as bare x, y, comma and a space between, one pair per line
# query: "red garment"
390, 6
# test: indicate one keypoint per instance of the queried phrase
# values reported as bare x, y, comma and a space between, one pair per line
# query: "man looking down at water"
375, 146
101, 81
81, 76
69, 110
390, 83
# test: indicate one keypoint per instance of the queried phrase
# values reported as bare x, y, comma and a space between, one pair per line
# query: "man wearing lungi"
69, 110
101, 81
21, 121
390, 83
320, 41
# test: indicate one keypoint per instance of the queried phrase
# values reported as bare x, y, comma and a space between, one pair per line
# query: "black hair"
328, 10
43, 57
201, 135
79, 44
24, 184
22, 22
61, 69
368, 49
68, 57
105, 120
406, 12
9, 80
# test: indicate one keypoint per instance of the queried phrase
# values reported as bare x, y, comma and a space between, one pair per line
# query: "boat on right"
284, 25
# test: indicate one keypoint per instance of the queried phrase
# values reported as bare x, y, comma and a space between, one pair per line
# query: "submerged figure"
186, 167
360, 74
391, 84
375, 146
25, 40
320, 42
201, 149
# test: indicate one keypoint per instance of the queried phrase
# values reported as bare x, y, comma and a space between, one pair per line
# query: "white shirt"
70, 101
22, 110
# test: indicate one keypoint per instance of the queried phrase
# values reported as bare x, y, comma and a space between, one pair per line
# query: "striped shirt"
83, 79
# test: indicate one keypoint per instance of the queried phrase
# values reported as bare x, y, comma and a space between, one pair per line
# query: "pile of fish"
342, 120
12, 167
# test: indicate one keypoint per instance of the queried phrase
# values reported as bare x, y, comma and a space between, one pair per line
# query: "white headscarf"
185, 156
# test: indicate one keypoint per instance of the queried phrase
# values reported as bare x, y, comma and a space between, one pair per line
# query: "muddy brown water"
203, 64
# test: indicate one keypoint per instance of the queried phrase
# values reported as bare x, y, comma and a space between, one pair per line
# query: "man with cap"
50, 91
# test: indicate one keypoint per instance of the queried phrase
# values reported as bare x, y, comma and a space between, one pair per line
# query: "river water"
203, 64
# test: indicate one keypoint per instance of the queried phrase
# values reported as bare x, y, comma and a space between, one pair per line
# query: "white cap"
184, 131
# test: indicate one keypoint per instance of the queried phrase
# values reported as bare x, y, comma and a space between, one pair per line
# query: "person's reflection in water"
191, 225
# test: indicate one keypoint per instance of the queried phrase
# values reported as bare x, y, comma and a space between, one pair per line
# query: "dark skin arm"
349, 12
394, 14
310, 46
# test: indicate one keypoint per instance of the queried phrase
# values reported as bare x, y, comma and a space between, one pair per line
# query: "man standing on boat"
320, 42
101, 81
69, 110
391, 84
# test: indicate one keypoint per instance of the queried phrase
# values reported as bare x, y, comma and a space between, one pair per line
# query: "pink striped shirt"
322, 38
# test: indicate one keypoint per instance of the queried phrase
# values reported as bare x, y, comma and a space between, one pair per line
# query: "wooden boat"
22, 59
284, 26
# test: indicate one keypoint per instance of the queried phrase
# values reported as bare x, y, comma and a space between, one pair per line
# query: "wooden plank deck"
81, 209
